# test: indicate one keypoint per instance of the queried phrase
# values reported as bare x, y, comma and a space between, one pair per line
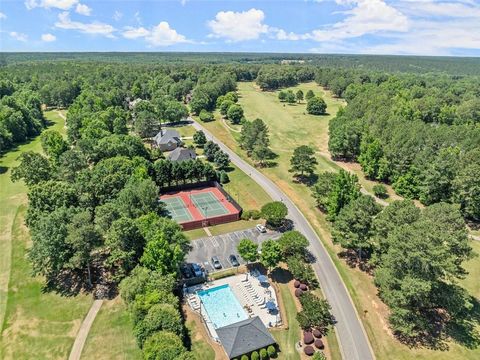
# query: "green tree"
299, 95
163, 345
53, 144
293, 243
271, 254
125, 246
274, 213
224, 106
83, 238
221, 159
322, 190
345, 189
174, 111
380, 191
290, 97
160, 317
210, 149
309, 95
316, 106
206, 116
235, 114
33, 169
315, 313
253, 133
160, 255
248, 250
282, 96
303, 161
353, 227
199, 138
302, 271
417, 276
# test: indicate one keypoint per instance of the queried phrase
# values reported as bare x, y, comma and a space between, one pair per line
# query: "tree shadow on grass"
3, 169
307, 179
464, 329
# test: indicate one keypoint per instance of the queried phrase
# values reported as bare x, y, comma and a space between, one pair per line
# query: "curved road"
354, 343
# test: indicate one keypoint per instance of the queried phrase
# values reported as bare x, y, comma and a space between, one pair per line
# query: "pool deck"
250, 293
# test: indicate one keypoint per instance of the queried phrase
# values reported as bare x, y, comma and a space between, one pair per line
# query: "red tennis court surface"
200, 207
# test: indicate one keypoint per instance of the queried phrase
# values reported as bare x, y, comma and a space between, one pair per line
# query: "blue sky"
420, 27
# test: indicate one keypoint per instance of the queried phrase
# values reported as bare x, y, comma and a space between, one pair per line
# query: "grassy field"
114, 327
200, 348
290, 128
286, 339
34, 324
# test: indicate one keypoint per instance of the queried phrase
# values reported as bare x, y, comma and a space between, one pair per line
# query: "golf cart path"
353, 340
82, 334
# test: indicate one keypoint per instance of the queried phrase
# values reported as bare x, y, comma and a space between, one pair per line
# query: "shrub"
272, 352
244, 357
319, 356
255, 214
263, 354
246, 215
301, 270
206, 116
235, 113
224, 177
254, 356
380, 191
163, 345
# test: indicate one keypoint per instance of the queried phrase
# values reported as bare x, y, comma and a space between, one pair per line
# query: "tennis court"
201, 206
208, 204
177, 209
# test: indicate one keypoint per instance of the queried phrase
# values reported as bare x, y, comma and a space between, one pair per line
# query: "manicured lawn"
233, 226
200, 348
289, 128
287, 339
195, 234
111, 335
472, 281
184, 131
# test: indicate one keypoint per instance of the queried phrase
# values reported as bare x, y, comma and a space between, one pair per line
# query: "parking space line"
215, 242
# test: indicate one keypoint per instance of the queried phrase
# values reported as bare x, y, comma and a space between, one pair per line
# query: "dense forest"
421, 134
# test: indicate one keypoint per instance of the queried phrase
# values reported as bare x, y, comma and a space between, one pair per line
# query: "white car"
261, 228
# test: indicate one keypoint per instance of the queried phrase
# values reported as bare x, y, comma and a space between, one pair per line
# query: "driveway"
354, 343
223, 246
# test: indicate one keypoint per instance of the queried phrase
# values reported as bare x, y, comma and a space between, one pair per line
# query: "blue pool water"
222, 306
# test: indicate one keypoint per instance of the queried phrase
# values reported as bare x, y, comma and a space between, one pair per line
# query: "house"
167, 140
244, 337
182, 154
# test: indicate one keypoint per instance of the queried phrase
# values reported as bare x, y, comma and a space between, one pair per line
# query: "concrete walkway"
82, 334
353, 340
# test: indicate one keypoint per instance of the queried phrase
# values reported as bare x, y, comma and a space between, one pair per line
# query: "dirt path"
82, 334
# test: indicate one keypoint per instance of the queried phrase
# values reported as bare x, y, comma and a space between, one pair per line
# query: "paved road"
353, 340
223, 246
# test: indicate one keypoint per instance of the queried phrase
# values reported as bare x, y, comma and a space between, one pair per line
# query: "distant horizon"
358, 27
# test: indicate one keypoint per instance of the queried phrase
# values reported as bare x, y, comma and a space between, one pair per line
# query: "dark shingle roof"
164, 137
181, 154
244, 336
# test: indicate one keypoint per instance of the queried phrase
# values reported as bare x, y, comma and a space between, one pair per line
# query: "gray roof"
181, 154
244, 336
166, 136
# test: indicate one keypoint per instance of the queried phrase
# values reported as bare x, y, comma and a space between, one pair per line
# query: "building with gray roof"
167, 140
182, 154
244, 337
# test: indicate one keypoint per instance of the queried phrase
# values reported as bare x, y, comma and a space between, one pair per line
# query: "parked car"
233, 260
197, 270
187, 271
261, 228
216, 263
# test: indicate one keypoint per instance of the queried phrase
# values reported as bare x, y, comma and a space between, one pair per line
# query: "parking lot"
223, 246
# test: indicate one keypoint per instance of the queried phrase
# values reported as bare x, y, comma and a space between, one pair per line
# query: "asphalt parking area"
223, 246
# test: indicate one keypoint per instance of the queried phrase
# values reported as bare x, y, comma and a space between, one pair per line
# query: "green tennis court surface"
177, 209
208, 204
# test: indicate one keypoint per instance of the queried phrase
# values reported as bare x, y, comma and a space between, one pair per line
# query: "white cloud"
117, 15
365, 17
238, 26
137, 17
96, 28
134, 33
83, 9
160, 35
47, 4
48, 37
2, 16
449, 9
18, 36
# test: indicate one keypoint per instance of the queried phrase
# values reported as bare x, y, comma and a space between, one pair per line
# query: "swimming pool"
222, 306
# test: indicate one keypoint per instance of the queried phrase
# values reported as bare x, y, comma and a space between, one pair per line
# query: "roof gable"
164, 137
